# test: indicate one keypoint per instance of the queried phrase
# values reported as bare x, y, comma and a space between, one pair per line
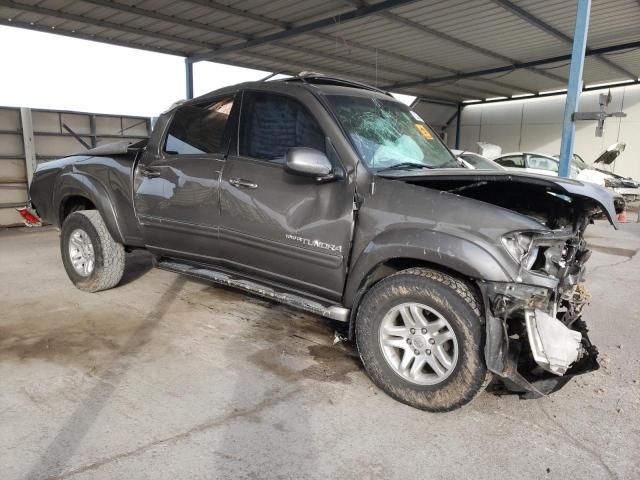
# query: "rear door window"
511, 161
542, 163
198, 129
271, 124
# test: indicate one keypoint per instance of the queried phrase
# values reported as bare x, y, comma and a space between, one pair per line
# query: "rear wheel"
420, 336
93, 260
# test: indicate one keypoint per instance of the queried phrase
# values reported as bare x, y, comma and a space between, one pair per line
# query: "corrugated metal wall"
56, 134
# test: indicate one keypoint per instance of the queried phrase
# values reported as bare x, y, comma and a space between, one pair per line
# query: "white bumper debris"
554, 346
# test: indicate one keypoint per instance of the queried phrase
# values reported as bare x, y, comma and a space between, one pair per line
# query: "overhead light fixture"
471, 101
549, 92
523, 95
608, 84
493, 99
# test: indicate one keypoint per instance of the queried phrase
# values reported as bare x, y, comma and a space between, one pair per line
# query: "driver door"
283, 227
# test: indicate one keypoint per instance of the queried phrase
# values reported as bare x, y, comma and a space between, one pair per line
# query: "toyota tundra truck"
332, 197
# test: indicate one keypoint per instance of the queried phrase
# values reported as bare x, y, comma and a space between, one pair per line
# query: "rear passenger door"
282, 227
177, 182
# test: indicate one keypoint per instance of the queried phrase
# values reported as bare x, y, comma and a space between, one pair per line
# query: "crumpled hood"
460, 181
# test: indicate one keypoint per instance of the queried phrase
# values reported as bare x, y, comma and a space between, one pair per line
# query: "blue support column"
575, 86
188, 64
458, 120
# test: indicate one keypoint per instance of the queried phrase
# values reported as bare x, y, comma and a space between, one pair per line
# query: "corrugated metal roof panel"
406, 42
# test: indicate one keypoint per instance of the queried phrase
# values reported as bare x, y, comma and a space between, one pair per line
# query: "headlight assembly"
612, 183
519, 245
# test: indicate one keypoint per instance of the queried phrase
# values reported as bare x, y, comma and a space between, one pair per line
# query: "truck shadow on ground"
137, 263
53, 461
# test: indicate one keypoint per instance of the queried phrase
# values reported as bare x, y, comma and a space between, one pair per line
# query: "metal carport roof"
448, 50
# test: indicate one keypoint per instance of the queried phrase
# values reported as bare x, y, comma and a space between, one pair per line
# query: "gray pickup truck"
334, 198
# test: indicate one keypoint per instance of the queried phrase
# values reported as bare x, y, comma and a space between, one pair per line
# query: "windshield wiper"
403, 166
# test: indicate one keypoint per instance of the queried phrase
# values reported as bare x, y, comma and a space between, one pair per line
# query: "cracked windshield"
389, 136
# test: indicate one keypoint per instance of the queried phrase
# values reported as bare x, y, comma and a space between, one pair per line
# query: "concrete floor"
166, 377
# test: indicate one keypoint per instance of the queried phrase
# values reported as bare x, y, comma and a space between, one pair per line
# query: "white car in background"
476, 161
547, 164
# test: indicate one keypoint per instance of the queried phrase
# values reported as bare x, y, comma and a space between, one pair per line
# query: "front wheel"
420, 336
93, 260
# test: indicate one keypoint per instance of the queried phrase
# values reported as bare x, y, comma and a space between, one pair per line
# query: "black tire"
109, 255
458, 304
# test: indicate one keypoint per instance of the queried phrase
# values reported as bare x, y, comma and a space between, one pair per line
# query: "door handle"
241, 183
149, 172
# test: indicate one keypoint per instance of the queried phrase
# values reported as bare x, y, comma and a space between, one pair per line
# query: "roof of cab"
324, 83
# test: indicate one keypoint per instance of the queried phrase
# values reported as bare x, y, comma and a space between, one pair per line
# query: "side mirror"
308, 162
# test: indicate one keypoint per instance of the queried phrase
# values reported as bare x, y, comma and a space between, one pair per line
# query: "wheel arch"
74, 189
464, 257
73, 203
392, 265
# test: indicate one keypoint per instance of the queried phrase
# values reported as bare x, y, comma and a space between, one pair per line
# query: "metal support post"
188, 63
29, 143
575, 86
458, 120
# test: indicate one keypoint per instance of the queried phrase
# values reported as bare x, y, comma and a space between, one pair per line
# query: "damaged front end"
536, 340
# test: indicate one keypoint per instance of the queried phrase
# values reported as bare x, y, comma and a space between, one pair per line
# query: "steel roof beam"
284, 25
170, 19
360, 46
143, 12
507, 68
100, 23
205, 27
461, 43
241, 13
434, 100
82, 36
358, 13
542, 25
137, 31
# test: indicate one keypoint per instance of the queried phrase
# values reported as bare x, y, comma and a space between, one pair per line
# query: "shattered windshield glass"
387, 135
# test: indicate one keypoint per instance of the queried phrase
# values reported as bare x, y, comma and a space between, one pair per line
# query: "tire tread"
468, 295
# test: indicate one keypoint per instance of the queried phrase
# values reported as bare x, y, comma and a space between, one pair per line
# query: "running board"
334, 312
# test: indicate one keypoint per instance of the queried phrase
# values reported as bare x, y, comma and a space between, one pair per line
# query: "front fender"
74, 183
458, 254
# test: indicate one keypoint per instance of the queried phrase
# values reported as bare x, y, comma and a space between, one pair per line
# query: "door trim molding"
322, 259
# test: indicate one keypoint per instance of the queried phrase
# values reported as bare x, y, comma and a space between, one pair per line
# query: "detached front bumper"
536, 342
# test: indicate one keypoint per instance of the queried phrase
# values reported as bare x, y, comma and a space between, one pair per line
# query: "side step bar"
334, 312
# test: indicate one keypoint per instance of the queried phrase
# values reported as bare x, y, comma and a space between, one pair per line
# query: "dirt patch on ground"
332, 363
85, 335
81, 338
